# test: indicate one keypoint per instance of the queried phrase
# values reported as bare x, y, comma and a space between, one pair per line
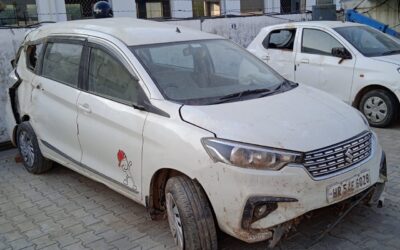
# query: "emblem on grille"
349, 156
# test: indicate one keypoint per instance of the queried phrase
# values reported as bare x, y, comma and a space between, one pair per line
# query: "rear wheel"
29, 149
189, 215
380, 107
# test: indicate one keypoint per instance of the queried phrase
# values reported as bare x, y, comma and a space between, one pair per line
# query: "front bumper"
291, 192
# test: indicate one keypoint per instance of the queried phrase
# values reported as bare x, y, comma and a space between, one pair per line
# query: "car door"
317, 67
277, 51
110, 128
54, 98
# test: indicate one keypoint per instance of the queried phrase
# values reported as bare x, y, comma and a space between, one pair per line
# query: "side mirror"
342, 53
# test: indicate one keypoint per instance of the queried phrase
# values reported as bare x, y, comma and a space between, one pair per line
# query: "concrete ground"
64, 210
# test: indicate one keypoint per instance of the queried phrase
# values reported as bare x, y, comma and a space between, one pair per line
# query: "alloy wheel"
26, 147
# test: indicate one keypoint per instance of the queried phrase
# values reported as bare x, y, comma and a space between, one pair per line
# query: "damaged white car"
189, 125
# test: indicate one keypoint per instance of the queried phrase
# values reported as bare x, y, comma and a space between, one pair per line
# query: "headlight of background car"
249, 156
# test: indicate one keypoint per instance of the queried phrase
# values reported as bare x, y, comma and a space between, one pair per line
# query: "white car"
356, 63
189, 125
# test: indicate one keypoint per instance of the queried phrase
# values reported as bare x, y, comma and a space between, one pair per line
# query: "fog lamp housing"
258, 207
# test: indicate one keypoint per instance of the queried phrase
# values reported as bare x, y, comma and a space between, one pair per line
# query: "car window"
318, 42
109, 78
280, 39
61, 62
171, 56
369, 41
32, 55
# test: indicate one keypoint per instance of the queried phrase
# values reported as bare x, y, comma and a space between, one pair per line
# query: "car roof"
319, 24
131, 31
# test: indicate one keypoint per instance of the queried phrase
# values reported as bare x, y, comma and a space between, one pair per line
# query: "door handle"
85, 108
305, 61
265, 58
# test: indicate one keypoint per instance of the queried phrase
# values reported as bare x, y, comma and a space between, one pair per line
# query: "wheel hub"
375, 109
174, 220
26, 148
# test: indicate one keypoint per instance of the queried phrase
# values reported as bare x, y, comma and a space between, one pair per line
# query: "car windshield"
370, 42
208, 71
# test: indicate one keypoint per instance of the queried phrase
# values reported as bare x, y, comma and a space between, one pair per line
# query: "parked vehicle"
356, 63
189, 125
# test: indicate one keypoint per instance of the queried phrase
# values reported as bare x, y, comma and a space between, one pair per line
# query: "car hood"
393, 59
301, 119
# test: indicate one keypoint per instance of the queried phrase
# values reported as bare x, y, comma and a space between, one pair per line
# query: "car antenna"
178, 30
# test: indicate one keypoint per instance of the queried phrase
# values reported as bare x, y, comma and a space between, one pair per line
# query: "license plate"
348, 187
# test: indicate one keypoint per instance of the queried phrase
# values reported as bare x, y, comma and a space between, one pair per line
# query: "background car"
354, 62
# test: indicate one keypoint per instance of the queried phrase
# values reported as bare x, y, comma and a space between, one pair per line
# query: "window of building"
79, 9
109, 78
206, 8
318, 42
19, 13
280, 39
153, 8
61, 62
290, 6
252, 6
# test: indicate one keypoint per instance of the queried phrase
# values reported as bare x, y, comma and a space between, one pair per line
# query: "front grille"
322, 162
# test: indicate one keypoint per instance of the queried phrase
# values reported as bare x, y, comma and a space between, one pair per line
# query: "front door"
277, 51
54, 98
315, 65
110, 129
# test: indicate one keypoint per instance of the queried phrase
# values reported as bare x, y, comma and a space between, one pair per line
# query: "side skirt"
95, 175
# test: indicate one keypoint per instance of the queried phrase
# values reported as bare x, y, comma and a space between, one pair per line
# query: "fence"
25, 12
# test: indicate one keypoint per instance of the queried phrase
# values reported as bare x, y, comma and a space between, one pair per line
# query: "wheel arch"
155, 201
366, 89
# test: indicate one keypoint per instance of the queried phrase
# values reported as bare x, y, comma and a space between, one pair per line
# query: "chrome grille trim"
329, 160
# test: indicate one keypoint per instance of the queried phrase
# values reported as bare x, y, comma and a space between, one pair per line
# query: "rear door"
110, 129
317, 67
277, 51
54, 96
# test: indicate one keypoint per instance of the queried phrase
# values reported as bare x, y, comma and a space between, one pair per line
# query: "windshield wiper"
391, 52
242, 93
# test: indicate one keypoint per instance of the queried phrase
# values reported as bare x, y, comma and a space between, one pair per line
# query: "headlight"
249, 156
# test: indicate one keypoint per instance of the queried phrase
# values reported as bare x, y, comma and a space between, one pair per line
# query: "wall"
241, 30
10, 40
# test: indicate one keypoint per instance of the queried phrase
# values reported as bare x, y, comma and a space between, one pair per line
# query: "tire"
29, 150
187, 203
380, 107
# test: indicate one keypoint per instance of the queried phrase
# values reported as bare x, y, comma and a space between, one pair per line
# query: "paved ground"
62, 209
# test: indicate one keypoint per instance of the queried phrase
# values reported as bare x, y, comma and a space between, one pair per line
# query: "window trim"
64, 40
302, 40
280, 29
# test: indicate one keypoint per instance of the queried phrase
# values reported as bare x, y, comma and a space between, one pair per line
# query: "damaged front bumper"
255, 206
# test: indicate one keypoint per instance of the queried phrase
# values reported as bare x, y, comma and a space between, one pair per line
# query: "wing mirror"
342, 53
